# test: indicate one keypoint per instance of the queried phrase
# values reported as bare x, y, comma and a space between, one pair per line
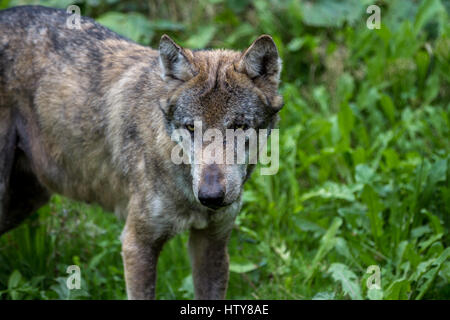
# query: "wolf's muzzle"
211, 191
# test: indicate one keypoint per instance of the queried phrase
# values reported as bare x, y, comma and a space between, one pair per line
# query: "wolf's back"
36, 41
31, 21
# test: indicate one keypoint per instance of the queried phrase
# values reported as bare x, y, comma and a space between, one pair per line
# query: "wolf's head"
220, 90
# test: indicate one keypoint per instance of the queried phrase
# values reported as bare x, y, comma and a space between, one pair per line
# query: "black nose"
211, 198
211, 191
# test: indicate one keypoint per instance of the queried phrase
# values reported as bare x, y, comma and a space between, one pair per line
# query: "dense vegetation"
364, 173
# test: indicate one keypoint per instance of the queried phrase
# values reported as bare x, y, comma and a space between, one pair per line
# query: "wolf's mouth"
216, 207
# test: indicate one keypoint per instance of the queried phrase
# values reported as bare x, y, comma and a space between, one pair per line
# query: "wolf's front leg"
209, 259
140, 255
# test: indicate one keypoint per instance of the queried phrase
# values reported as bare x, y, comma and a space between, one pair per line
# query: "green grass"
363, 179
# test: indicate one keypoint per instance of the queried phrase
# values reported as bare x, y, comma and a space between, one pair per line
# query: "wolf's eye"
190, 127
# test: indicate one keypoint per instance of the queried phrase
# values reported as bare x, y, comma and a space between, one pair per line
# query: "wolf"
88, 114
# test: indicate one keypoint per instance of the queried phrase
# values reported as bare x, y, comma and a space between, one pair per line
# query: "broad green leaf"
364, 174
348, 279
330, 190
14, 279
398, 290
134, 26
166, 25
242, 267
399, 11
332, 13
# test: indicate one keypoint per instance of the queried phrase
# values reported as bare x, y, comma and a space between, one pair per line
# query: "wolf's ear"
175, 61
261, 59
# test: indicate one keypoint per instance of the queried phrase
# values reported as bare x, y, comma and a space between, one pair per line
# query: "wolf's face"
213, 92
